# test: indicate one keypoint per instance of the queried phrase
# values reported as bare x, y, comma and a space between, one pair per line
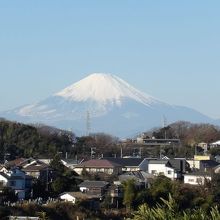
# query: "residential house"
116, 194
4, 178
95, 189
18, 181
4, 169
203, 145
74, 197
202, 165
130, 164
37, 169
180, 165
99, 166
208, 165
214, 144
197, 178
16, 163
162, 167
202, 157
195, 162
137, 176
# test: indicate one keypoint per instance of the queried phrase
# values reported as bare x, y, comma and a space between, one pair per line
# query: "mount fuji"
103, 103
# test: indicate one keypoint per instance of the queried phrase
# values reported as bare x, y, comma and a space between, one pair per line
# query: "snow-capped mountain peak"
101, 87
108, 103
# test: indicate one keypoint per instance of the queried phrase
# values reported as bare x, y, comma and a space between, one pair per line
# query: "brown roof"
16, 162
99, 164
35, 168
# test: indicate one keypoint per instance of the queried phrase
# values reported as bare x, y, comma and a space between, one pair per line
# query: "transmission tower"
164, 126
88, 123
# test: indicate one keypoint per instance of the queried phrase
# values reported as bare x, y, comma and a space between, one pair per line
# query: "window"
153, 171
190, 180
169, 172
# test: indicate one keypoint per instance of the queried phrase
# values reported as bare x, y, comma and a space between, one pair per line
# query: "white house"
162, 167
215, 144
194, 164
68, 197
73, 197
197, 178
4, 179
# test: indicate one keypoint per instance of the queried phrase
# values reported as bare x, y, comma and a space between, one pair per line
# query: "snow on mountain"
113, 106
104, 88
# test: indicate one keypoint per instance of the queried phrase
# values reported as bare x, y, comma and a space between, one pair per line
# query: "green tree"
168, 210
129, 193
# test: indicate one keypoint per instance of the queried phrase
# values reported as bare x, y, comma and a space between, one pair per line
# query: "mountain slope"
105, 102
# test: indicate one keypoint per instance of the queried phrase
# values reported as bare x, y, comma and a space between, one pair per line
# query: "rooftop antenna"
88, 123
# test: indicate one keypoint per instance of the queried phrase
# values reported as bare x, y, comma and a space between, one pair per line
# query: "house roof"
176, 163
35, 167
70, 161
216, 143
158, 161
209, 163
78, 195
4, 175
99, 164
89, 184
126, 162
136, 175
198, 173
16, 162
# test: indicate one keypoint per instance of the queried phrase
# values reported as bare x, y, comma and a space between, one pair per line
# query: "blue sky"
169, 49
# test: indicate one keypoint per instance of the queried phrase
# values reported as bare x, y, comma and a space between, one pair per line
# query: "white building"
162, 167
4, 179
215, 144
73, 197
197, 178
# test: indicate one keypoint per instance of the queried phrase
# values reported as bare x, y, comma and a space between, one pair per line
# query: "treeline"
189, 133
39, 141
20, 140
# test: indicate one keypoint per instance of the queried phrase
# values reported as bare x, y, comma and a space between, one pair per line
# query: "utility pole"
140, 152
92, 152
121, 152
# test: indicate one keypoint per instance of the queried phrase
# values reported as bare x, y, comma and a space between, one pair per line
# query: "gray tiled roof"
88, 184
126, 162
158, 161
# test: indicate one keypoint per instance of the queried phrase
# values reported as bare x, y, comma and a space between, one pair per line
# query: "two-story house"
131, 163
162, 167
95, 189
99, 166
18, 181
